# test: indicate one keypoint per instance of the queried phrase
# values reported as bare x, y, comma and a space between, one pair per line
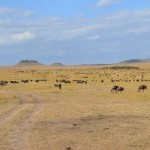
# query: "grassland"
39, 116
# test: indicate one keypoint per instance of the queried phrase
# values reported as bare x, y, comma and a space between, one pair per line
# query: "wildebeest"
117, 88
114, 88
64, 81
142, 87
58, 86
2, 83
120, 89
25, 81
14, 82
80, 81
102, 81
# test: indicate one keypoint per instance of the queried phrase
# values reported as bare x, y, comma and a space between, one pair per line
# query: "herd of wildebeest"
2, 83
117, 88
63, 79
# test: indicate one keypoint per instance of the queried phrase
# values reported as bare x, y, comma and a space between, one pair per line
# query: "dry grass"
37, 116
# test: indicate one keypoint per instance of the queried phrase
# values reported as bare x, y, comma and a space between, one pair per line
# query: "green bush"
121, 67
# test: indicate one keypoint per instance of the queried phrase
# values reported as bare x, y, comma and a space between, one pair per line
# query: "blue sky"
74, 32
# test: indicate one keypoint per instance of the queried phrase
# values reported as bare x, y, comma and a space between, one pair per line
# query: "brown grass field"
39, 116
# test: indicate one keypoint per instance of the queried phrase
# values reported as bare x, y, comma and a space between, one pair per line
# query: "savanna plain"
83, 115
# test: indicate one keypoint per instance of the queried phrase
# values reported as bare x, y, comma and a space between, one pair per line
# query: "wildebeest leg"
60, 86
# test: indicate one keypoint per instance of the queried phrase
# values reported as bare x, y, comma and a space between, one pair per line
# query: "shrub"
121, 67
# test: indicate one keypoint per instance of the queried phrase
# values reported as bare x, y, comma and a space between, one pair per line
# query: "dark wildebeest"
114, 88
120, 89
2, 83
58, 86
142, 87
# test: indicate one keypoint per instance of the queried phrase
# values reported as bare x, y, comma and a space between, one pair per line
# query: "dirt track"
22, 117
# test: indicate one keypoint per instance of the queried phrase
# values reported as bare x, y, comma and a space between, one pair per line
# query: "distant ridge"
135, 61
94, 64
57, 64
24, 63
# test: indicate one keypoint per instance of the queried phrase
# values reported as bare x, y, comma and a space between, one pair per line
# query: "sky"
74, 32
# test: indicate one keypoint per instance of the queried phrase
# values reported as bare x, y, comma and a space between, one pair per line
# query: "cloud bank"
103, 39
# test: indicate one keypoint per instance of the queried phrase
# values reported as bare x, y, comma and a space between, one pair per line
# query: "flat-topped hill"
25, 63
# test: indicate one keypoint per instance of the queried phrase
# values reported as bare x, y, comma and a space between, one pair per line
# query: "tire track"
16, 138
10, 114
20, 138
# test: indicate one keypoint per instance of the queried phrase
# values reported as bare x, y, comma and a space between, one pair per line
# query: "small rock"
75, 124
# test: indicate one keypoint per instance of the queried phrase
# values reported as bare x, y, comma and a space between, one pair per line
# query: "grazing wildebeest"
114, 88
25, 81
120, 89
58, 86
68, 148
14, 82
102, 81
142, 87
2, 83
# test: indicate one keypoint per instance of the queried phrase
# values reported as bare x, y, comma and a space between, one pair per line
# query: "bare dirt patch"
93, 132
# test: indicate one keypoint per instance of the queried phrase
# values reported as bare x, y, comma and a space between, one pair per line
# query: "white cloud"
23, 36
79, 31
94, 37
11, 39
137, 30
105, 3
15, 12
